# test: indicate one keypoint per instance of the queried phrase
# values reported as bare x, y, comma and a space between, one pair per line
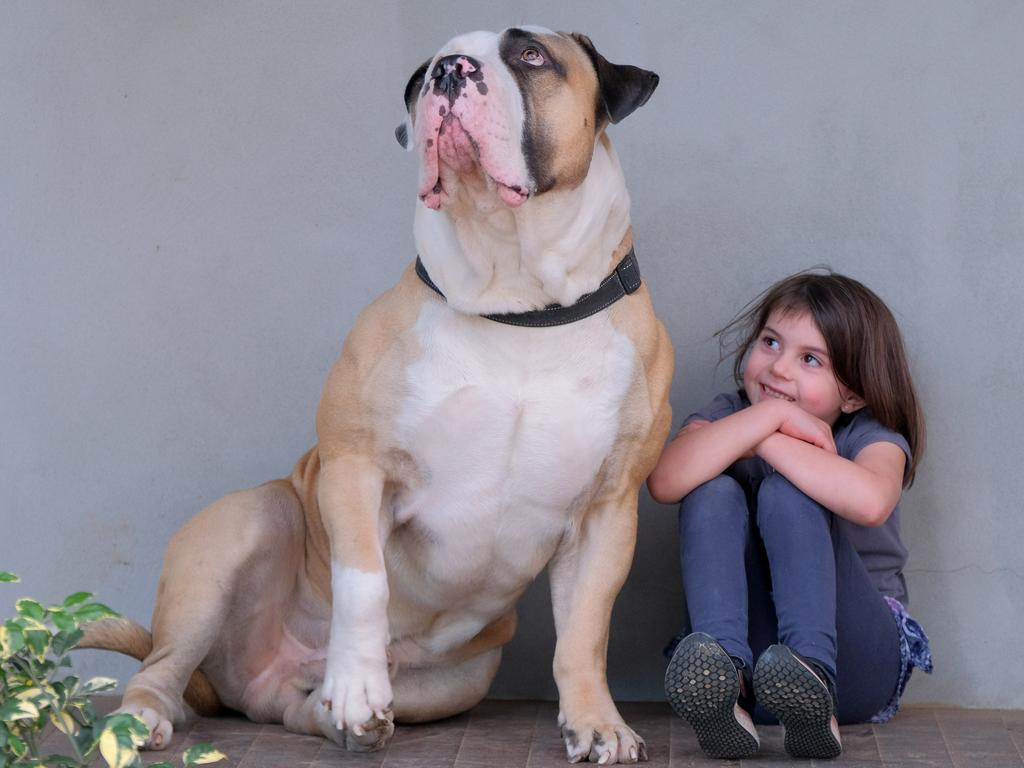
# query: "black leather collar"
625, 279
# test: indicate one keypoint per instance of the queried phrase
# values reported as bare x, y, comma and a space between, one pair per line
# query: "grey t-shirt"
880, 549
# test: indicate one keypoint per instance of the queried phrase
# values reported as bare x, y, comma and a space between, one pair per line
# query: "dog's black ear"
412, 92
402, 134
412, 88
624, 88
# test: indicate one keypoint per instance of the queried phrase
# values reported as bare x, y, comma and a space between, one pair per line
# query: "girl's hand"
798, 423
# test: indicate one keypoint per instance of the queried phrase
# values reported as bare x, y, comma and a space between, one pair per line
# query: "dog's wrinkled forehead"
487, 45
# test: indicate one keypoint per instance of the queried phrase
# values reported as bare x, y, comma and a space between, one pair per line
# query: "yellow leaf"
64, 723
114, 752
212, 756
24, 709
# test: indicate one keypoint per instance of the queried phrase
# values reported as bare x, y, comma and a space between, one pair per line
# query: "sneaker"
800, 697
703, 686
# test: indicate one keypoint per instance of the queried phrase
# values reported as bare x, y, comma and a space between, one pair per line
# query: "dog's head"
514, 114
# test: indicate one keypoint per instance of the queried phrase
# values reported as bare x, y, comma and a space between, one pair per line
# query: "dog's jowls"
457, 456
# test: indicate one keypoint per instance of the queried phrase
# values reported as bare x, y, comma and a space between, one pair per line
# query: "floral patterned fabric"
914, 652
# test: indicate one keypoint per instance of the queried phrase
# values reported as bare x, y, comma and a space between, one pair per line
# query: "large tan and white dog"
458, 454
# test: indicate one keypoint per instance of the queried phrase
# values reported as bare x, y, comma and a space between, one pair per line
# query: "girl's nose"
780, 367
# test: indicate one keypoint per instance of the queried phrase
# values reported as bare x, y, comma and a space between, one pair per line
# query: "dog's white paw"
605, 743
160, 728
357, 696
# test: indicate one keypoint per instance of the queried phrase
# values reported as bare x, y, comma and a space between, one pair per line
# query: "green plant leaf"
84, 706
16, 709
65, 641
127, 726
97, 684
118, 750
41, 697
75, 599
201, 754
38, 642
60, 695
155, 765
63, 620
95, 612
26, 606
12, 639
16, 746
64, 722
60, 761
84, 740
6, 577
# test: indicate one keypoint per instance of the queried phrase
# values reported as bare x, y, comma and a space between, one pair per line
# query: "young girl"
789, 525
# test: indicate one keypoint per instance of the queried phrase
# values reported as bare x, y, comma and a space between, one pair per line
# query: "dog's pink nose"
451, 72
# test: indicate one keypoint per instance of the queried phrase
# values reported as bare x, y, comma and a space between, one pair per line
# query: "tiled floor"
523, 734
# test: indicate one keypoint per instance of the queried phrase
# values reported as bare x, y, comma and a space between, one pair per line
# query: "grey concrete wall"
197, 199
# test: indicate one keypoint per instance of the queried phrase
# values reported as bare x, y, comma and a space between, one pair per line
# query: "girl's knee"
718, 499
778, 500
716, 492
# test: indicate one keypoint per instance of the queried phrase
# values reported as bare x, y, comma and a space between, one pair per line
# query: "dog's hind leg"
228, 542
432, 693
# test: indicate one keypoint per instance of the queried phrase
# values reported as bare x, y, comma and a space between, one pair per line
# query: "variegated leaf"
64, 723
16, 709
202, 754
118, 752
26, 606
98, 684
75, 599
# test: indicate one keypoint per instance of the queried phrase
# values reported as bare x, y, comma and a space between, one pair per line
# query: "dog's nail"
358, 730
632, 753
604, 758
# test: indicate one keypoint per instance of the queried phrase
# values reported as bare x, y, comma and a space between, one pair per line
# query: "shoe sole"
702, 686
801, 702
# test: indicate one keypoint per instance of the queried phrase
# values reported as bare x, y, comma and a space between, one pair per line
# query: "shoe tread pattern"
801, 702
702, 686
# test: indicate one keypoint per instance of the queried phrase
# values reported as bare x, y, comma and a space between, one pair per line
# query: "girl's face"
789, 361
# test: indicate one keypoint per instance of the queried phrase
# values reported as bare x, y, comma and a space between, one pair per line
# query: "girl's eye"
812, 361
532, 56
770, 342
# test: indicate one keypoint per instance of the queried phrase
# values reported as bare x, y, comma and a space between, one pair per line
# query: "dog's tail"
132, 639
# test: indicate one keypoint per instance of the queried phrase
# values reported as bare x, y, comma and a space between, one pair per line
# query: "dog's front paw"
603, 741
374, 734
357, 696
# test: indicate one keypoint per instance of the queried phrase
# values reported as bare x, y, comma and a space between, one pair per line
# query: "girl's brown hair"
863, 340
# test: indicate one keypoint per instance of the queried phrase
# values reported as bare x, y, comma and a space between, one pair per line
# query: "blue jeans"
772, 566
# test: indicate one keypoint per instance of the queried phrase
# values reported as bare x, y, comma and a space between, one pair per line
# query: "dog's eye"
532, 56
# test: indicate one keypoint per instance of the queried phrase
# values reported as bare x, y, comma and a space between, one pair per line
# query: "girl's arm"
864, 491
703, 450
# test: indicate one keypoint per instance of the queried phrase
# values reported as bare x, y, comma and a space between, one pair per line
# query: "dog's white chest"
508, 426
